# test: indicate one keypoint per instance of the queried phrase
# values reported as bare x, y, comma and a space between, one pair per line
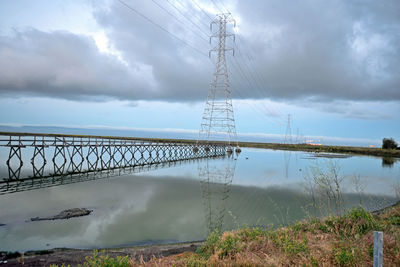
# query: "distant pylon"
218, 122
288, 134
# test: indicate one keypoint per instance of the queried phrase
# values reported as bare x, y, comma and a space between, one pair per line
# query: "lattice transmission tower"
288, 133
218, 122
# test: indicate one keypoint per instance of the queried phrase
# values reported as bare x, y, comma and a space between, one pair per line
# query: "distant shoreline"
378, 152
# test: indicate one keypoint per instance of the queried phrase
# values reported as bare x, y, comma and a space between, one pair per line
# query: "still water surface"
184, 202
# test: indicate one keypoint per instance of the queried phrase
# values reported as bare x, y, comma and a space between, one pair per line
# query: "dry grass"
333, 241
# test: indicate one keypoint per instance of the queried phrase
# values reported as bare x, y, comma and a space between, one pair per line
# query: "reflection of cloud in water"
270, 172
139, 209
126, 210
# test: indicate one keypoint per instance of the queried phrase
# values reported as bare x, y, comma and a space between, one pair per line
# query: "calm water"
185, 201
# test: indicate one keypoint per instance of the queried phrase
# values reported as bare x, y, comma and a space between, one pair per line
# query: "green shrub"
300, 227
250, 234
288, 243
363, 221
356, 223
314, 262
229, 245
208, 248
394, 220
195, 261
106, 261
345, 255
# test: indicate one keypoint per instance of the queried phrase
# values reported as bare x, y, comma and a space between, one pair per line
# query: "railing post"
378, 249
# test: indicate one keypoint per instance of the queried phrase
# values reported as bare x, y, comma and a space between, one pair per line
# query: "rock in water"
65, 214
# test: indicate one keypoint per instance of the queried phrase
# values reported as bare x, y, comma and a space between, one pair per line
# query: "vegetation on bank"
370, 151
389, 143
333, 241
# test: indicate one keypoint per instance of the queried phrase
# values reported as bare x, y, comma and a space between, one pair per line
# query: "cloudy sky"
333, 65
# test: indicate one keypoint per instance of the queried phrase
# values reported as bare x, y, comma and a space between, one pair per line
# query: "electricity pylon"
218, 122
288, 134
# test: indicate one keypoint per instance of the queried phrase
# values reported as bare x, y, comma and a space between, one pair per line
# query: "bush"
345, 255
208, 248
389, 143
363, 221
106, 261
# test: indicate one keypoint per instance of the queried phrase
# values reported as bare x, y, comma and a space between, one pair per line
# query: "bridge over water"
59, 154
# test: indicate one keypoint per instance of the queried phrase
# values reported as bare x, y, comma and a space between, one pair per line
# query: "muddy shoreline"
73, 257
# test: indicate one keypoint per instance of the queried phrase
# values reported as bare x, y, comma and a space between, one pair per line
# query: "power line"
161, 27
194, 1
222, 4
217, 6
264, 110
195, 14
257, 83
178, 20
183, 14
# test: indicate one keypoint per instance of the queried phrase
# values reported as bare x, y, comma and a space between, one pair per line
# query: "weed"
394, 220
106, 261
229, 245
288, 244
345, 255
209, 246
363, 221
250, 234
314, 262
300, 227
195, 261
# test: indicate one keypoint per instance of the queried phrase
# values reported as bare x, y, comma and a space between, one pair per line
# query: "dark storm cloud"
325, 49
348, 50
64, 65
180, 71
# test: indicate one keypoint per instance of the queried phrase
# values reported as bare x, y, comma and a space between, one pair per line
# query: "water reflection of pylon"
286, 156
216, 180
288, 140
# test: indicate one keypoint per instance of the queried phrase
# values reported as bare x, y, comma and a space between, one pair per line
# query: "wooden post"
378, 249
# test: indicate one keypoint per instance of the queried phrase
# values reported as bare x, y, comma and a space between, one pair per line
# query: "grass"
332, 241
103, 260
371, 151
106, 261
